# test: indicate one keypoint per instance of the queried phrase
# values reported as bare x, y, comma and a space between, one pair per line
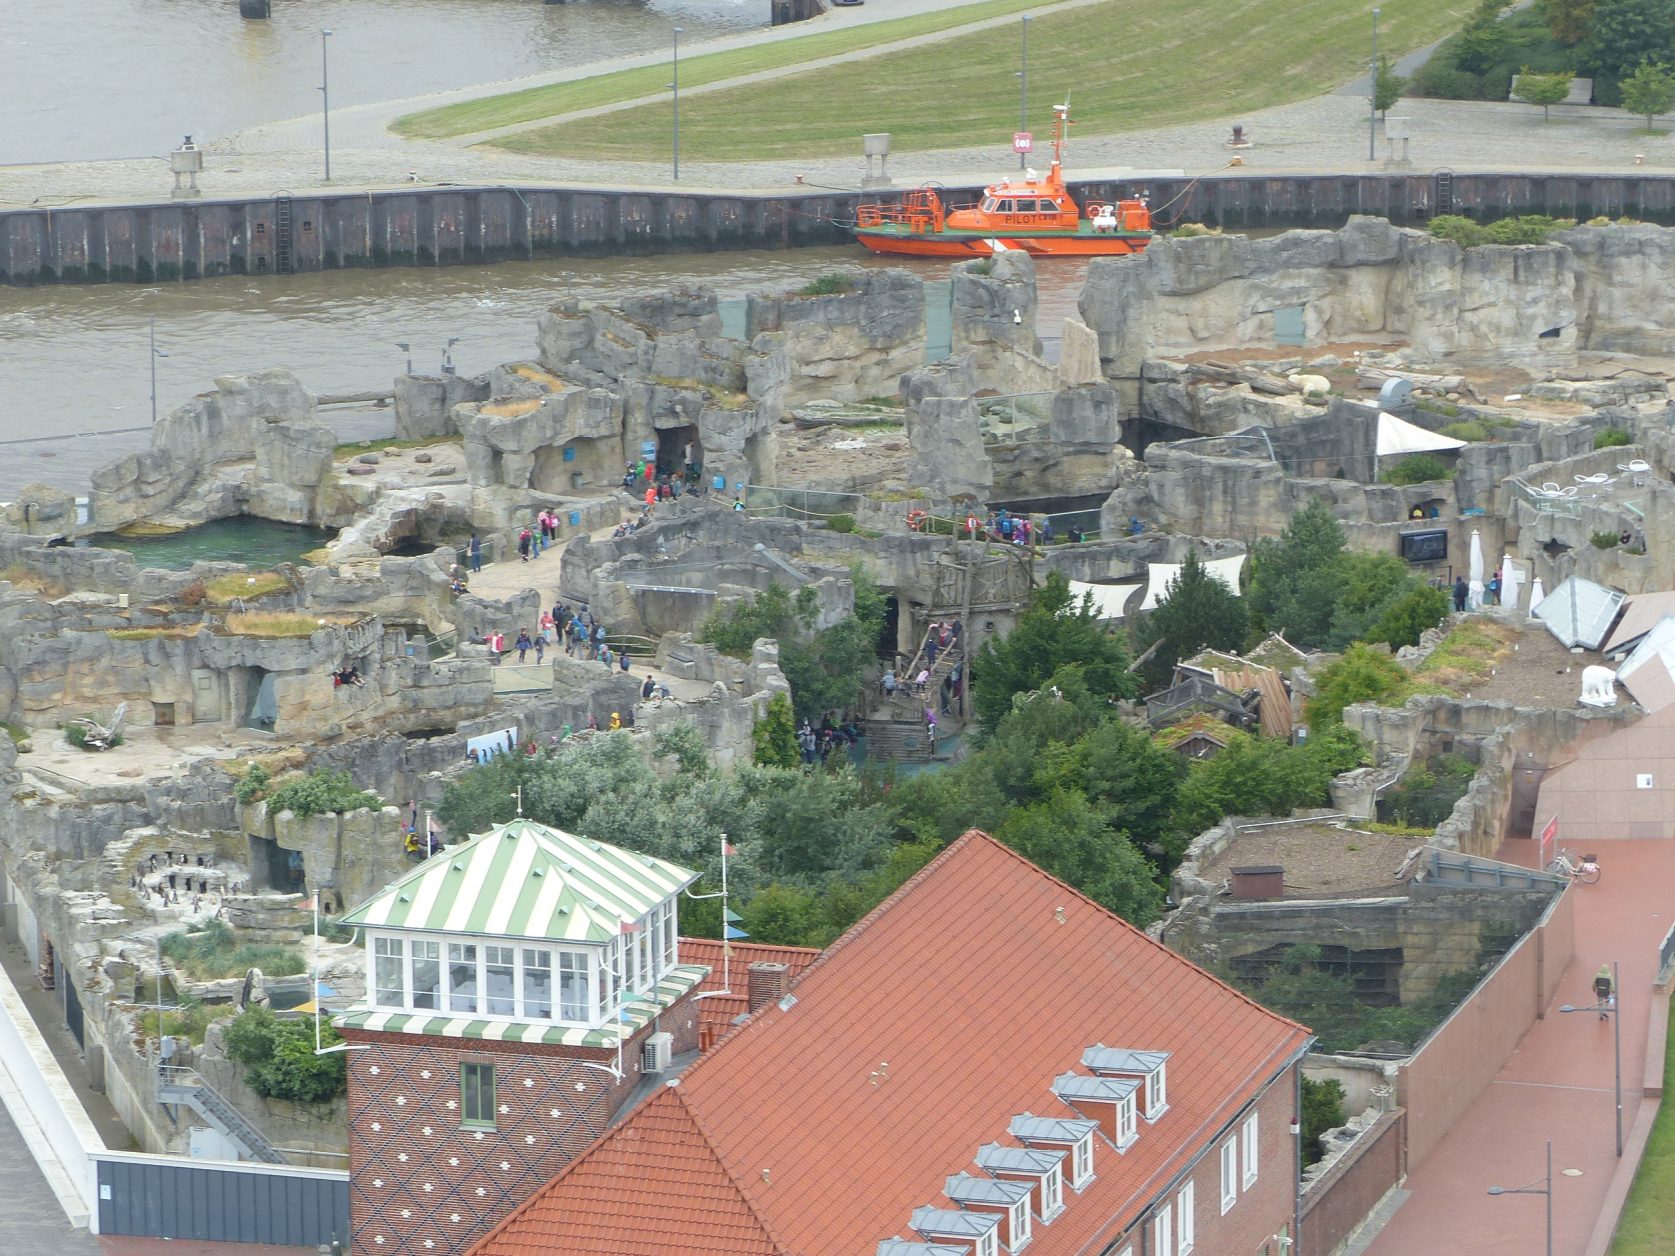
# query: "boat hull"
961, 244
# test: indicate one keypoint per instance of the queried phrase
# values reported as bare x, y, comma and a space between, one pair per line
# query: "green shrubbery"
1612, 438
1480, 62
1417, 469
1427, 793
1467, 430
320, 792
279, 1060
212, 952
828, 285
1468, 233
1322, 1111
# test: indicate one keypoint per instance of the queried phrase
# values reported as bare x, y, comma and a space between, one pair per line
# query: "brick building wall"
1263, 1210
419, 1183
1340, 1199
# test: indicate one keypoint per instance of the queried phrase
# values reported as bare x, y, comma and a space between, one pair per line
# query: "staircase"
907, 703
896, 741
183, 1085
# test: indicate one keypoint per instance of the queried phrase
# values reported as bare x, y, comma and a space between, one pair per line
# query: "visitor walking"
1461, 591
524, 540
522, 643
1605, 991
647, 689
540, 649
476, 552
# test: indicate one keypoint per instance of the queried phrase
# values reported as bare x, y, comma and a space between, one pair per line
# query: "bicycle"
1583, 868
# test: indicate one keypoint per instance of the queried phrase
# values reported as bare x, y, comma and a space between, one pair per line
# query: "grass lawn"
603, 89
1126, 64
1648, 1224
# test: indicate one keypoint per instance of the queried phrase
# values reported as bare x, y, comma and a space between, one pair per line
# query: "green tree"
1568, 20
1197, 611
279, 1060
1407, 616
1388, 87
1483, 42
1065, 835
1294, 580
782, 915
1053, 631
1261, 776
1363, 674
1130, 779
774, 738
1322, 1111
1545, 90
1628, 33
1649, 91
1368, 586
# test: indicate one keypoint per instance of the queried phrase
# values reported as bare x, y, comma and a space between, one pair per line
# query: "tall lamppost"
674, 85
1372, 96
1546, 1188
326, 101
1023, 88
154, 355
1608, 1007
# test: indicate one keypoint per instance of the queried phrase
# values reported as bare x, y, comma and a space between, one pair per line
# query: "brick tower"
520, 987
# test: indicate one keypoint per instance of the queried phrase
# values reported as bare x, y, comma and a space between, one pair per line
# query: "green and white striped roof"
524, 880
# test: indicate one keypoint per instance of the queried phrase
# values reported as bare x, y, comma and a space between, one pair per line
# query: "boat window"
1026, 207
1006, 207
989, 204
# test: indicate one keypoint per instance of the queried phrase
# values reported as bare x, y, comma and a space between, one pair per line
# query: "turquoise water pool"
258, 543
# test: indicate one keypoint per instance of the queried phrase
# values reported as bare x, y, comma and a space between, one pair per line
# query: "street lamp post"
1546, 1188
1023, 89
674, 85
1610, 1007
326, 101
154, 355
1372, 96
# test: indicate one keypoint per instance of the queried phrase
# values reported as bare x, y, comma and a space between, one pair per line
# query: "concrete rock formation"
949, 461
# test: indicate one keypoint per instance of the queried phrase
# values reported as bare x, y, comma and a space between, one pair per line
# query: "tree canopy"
1197, 611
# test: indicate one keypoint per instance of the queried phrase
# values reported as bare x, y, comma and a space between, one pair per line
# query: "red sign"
1549, 836
1022, 141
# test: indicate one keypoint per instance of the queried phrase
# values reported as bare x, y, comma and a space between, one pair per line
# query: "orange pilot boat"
1037, 216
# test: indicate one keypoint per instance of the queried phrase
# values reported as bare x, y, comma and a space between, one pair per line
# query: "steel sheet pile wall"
457, 226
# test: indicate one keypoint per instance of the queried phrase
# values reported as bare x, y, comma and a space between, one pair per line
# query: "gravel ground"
1536, 671
1320, 860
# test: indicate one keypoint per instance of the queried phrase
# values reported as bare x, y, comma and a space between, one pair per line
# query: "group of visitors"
819, 743
1009, 529
538, 536
347, 675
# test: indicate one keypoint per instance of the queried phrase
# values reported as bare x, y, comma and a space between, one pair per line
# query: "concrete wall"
460, 226
1598, 795
1336, 1202
1440, 1081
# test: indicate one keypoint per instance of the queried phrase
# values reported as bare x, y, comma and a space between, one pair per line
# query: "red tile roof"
717, 1012
914, 1039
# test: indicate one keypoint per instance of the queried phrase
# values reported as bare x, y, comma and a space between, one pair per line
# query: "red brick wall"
1439, 1083
1337, 1201
424, 1185
1263, 1211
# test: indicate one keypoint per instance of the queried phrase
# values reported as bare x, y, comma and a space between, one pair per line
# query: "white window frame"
1163, 1232
1081, 1162
1229, 1174
1157, 1093
1250, 1137
988, 1242
388, 947
412, 950
1127, 1125
1186, 1224
1017, 1225
1052, 1192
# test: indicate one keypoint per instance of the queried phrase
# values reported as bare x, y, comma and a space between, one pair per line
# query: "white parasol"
1474, 590
1536, 593
1511, 578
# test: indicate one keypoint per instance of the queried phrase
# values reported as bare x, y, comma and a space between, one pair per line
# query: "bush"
1612, 438
189, 1020
1418, 469
1189, 229
828, 285
840, 523
1362, 674
1427, 793
1322, 1111
254, 786
1605, 540
1467, 430
279, 1060
321, 792
213, 952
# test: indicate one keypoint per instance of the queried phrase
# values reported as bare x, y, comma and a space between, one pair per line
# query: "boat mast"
1061, 119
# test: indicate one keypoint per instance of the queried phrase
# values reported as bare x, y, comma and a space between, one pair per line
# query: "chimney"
767, 983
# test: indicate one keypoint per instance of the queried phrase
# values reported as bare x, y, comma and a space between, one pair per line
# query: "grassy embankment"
1126, 64
1647, 1227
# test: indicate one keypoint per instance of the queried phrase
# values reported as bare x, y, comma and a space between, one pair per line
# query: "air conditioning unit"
659, 1050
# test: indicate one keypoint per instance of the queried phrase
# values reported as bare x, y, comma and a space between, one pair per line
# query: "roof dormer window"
1149, 1066
982, 1230
1126, 1130
996, 1197
1110, 1098
1042, 1168
1073, 1133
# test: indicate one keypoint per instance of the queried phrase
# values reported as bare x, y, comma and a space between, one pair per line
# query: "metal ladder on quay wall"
282, 261
184, 1086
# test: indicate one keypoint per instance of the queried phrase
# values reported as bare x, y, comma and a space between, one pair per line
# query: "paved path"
31, 1220
1557, 1085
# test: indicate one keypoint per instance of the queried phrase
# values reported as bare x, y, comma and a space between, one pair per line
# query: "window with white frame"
642, 941
499, 981
1186, 1225
1229, 1174
1081, 1162
1250, 1140
670, 951
1163, 1232
988, 1244
538, 984
1052, 1192
1126, 1132
630, 962
427, 975
389, 983
462, 977
1018, 1223
1157, 1093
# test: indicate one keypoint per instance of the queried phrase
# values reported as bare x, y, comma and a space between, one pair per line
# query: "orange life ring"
915, 518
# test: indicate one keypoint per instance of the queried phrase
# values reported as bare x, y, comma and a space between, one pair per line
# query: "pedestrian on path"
476, 552
1605, 991
523, 643
1461, 591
